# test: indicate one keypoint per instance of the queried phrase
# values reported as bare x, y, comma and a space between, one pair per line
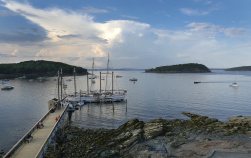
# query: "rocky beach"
198, 136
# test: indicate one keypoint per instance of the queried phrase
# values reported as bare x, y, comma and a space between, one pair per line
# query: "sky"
135, 33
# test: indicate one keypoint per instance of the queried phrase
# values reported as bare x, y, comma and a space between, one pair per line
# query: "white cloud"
235, 32
204, 29
208, 2
95, 10
193, 12
130, 17
42, 53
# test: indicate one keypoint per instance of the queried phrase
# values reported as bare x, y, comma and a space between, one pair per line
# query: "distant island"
38, 68
241, 68
181, 68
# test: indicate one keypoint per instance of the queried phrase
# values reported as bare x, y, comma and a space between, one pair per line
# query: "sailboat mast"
236, 76
107, 72
87, 83
74, 73
61, 83
92, 77
58, 87
79, 95
100, 83
112, 82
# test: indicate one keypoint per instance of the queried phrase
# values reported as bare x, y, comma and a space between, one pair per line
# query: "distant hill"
181, 68
241, 68
39, 67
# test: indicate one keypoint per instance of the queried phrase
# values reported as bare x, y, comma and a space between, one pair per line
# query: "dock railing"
48, 140
23, 139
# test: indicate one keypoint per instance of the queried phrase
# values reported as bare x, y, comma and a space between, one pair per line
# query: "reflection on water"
100, 115
152, 96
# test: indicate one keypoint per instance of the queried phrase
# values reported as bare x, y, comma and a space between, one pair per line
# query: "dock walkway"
40, 137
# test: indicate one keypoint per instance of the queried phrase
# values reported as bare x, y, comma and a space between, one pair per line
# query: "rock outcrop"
195, 137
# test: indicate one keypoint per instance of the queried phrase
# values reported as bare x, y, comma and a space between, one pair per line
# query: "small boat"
22, 77
133, 79
118, 76
196, 82
7, 87
234, 84
5, 81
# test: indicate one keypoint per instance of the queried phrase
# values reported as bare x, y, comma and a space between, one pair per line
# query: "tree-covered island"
241, 68
38, 68
181, 68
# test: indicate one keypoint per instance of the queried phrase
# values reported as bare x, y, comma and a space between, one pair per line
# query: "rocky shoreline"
193, 138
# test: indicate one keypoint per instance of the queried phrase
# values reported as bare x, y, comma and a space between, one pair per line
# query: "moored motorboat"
133, 79
5, 81
7, 87
196, 82
234, 84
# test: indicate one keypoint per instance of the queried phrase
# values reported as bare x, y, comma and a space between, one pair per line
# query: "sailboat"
96, 96
234, 84
112, 95
81, 97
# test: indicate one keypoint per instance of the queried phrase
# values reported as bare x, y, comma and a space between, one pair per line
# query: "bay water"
153, 96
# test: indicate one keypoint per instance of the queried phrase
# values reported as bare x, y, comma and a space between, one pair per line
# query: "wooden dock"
41, 137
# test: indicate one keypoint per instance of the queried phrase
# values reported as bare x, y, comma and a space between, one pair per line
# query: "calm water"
152, 96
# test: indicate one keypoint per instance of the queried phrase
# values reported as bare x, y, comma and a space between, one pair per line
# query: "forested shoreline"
181, 68
38, 68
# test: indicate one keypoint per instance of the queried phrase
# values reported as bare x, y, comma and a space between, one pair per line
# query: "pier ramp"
42, 137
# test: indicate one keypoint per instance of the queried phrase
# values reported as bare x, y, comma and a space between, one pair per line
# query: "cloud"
204, 28
95, 10
130, 17
6, 55
208, 2
205, 2
74, 38
194, 12
213, 30
7, 13
69, 36
14, 52
235, 32
42, 53
17, 36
